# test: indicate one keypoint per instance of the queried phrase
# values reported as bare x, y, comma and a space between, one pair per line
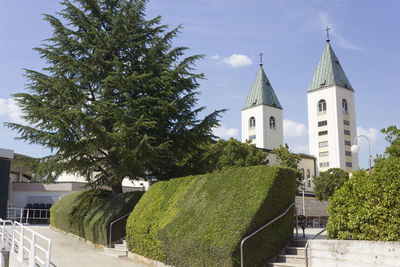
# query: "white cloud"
237, 60
326, 21
371, 133
215, 57
9, 108
293, 129
225, 133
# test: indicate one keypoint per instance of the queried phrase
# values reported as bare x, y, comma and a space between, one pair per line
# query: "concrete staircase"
291, 256
120, 250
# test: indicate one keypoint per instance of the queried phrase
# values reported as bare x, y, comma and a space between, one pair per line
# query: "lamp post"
355, 148
304, 187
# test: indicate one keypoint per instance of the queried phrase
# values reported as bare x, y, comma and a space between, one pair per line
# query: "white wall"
350, 253
21, 198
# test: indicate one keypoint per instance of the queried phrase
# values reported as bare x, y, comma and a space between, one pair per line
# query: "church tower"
262, 114
331, 115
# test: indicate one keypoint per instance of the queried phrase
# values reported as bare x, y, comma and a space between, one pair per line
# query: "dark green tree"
116, 99
393, 138
328, 182
286, 157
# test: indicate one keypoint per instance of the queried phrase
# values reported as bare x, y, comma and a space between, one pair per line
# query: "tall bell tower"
262, 121
331, 114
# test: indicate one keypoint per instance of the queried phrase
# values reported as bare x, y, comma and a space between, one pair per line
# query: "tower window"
272, 123
346, 132
252, 123
324, 154
322, 106
347, 143
322, 123
349, 164
344, 106
322, 133
347, 153
252, 137
323, 144
346, 122
324, 164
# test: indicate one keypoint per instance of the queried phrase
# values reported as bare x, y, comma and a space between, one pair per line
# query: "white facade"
265, 133
335, 125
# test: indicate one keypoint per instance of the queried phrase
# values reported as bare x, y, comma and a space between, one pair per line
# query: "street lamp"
355, 148
304, 187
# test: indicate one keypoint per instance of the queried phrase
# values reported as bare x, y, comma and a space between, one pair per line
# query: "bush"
88, 214
329, 181
201, 220
367, 207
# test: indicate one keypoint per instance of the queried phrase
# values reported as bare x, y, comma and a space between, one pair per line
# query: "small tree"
116, 99
393, 138
329, 181
286, 157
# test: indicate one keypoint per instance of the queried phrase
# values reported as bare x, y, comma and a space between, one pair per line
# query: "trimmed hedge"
367, 207
201, 220
88, 214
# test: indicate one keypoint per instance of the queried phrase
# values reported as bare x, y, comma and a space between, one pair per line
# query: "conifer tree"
116, 99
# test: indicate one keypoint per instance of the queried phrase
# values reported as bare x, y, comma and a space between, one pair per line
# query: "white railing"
6, 238
25, 241
23, 215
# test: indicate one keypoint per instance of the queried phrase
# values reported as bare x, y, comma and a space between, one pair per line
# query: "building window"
349, 164
252, 137
324, 154
344, 106
323, 144
322, 133
346, 122
308, 178
303, 173
252, 123
347, 143
322, 123
348, 153
346, 132
272, 123
324, 164
322, 106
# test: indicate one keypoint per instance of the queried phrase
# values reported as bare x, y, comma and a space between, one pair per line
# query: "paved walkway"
309, 233
67, 251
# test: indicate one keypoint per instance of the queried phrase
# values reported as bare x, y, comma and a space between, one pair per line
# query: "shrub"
367, 207
201, 220
88, 214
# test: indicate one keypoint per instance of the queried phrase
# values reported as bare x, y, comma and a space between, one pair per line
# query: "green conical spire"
261, 92
329, 72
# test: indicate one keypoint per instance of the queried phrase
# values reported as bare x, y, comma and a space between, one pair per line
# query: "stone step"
291, 259
116, 252
279, 264
294, 251
121, 246
298, 243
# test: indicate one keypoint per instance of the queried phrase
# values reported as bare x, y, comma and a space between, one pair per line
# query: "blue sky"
231, 34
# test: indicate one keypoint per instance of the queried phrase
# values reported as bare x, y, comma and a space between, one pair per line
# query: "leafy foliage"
367, 207
116, 99
286, 157
88, 214
329, 181
201, 220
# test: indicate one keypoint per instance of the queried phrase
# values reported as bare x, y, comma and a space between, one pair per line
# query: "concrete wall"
353, 253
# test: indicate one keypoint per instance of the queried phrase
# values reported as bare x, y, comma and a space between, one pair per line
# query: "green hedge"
201, 220
88, 214
367, 207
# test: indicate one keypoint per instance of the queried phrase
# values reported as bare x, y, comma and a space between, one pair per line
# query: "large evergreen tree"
116, 99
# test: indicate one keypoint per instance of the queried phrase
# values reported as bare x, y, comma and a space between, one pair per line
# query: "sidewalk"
309, 232
67, 251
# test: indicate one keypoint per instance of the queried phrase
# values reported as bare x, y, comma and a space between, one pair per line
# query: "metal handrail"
261, 228
306, 247
111, 224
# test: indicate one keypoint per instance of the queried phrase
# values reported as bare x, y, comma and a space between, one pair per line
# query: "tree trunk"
116, 189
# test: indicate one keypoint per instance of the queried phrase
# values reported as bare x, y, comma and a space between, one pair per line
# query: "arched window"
308, 178
344, 106
322, 106
252, 123
272, 123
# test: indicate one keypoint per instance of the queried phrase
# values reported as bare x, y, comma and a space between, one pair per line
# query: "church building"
331, 118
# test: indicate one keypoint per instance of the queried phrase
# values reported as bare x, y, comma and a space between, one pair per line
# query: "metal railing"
111, 224
263, 227
26, 241
6, 238
306, 247
23, 215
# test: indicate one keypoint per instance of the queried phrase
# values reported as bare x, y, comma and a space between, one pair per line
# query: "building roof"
261, 92
329, 72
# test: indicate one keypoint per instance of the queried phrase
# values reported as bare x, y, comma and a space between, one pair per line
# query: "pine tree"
116, 99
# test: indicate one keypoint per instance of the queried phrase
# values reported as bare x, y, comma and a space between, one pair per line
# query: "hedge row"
367, 207
201, 220
88, 214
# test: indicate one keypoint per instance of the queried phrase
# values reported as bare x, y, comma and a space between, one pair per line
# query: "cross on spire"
261, 54
327, 34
